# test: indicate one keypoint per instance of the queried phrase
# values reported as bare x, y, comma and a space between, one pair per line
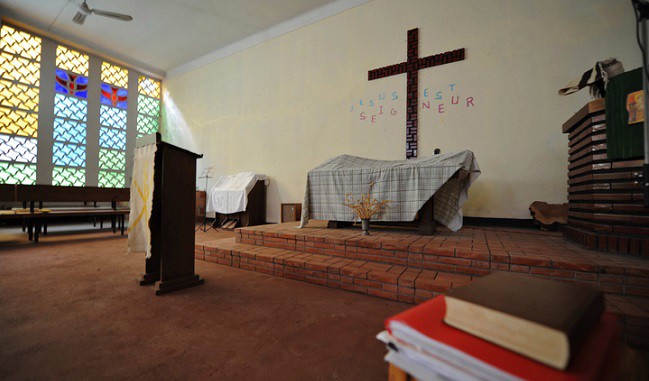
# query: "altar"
408, 184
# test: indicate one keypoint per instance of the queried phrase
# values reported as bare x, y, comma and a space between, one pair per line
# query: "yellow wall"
283, 107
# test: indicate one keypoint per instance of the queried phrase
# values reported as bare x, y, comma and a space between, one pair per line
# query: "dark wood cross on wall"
412, 67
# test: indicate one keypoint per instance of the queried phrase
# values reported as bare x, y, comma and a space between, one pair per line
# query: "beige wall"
284, 106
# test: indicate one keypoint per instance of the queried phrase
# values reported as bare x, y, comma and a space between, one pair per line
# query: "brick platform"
399, 265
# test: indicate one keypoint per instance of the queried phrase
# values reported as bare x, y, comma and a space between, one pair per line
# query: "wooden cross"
412, 67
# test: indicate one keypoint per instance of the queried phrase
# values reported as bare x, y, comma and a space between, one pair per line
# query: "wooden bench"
33, 197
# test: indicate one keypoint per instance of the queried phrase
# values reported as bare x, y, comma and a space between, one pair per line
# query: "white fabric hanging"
230, 193
139, 234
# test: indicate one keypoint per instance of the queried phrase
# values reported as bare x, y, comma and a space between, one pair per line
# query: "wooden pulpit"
171, 265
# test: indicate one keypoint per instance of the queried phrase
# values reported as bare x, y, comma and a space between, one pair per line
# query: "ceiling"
170, 35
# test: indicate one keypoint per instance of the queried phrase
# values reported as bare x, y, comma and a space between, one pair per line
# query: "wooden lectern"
171, 265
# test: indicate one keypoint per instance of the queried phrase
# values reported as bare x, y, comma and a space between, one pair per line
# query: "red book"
423, 327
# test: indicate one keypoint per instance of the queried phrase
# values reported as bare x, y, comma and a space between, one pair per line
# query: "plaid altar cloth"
407, 183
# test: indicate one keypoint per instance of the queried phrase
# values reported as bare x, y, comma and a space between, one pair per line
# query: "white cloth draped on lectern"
139, 234
230, 193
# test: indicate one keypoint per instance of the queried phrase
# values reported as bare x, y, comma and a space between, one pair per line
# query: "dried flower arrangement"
366, 206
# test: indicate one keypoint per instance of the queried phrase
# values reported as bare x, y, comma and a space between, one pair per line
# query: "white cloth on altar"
139, 233
230, 193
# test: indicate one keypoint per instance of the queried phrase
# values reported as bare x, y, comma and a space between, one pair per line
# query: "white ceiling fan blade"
118, 16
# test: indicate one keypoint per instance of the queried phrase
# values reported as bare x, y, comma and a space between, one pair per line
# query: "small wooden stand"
172, 220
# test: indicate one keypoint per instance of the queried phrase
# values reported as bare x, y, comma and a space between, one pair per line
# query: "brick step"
406, 284
469, 252
394, 282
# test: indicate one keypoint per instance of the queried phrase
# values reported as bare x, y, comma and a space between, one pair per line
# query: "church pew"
31, 195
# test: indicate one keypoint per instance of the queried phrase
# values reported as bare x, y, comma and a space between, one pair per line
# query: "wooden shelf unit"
605, 197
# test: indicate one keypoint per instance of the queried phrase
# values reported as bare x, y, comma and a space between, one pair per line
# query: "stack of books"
506, 326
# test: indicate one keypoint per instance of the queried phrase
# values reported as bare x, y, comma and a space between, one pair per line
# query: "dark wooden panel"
256, 207
626, 197
588, 124
590, 225
591, 140
177, 203
595, 149
7, 192
588, 159
589, 168
594, 107
591, 130
50, 193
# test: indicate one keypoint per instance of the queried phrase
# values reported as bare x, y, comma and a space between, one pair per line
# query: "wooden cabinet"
605, 198
291, 212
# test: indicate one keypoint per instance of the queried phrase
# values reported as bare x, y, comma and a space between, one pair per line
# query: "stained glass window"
114, 75
148, 106
114, 96
71, 84
112, 120
70, 116
74, 85
71, 60
20, 60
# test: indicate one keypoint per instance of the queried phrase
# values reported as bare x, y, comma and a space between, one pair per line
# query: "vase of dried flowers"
365, 207
365, 225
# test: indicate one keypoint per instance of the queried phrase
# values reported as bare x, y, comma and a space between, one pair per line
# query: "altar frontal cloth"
407, 183
139, 232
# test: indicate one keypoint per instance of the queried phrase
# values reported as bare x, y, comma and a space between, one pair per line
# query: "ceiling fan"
85, 11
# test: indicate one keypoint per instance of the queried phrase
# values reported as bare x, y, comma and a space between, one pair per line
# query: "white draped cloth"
139, 233
230, 193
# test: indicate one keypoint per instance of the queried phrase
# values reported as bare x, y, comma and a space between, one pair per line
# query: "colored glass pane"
149, 87
110, 116
111, 179
18, 122
69, 131
71, 60
20, 43
17, 149
146, 125
149, 106
71, 84
63, 176
18, 95
70, 107
72, 155
114, 75
112, 138
12, 173
113, 96
112, 159
16, 68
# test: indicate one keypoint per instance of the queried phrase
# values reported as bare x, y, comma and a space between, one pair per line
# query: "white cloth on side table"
139, 234
230, 193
